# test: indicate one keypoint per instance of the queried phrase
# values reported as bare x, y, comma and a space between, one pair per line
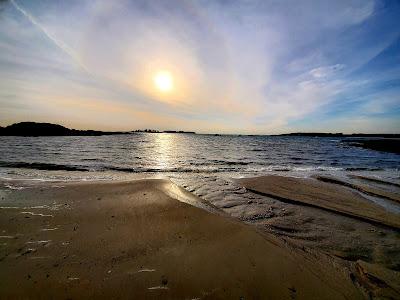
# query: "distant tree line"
48, 129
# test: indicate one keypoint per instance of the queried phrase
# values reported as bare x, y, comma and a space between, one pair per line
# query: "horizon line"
152, 130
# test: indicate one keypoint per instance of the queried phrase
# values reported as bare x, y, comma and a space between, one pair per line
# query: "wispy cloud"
238, 66
60, 44
326, 71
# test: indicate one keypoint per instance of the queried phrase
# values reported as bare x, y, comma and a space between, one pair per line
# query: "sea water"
204, 164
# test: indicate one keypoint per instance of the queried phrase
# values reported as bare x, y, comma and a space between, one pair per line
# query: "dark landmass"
48, 129
383, 144
339, 134
312, 134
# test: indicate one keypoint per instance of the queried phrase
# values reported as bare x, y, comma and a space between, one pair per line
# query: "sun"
163, 81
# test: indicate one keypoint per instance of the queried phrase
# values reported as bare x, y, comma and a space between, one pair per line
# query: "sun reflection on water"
164, 150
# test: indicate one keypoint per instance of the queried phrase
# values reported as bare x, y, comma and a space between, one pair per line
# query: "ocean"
204, 164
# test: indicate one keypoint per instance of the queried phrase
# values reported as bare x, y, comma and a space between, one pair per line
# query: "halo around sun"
163, 81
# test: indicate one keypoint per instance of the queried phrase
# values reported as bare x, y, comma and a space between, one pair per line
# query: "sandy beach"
193, 150
143, 239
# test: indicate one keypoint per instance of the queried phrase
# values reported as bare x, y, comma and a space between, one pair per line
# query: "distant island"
49, 129
339, 134
380, 142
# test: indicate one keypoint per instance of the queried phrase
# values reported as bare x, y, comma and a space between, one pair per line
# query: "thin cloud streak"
60, 44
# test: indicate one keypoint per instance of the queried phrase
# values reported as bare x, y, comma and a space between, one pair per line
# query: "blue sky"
254, 67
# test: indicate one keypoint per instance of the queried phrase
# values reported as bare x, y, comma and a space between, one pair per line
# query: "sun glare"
163, 81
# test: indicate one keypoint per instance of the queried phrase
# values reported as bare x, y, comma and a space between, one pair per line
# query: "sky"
248, 67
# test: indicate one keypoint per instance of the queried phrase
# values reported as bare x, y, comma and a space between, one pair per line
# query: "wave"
91, 159
220, 163
228, 162
169, 170
42, 166
215, 167
363, 169
297, 158
62, 167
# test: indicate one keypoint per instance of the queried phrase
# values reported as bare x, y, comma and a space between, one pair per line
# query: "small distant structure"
147, 130
180, 131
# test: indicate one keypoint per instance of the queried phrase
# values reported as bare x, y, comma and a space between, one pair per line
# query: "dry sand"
135, 240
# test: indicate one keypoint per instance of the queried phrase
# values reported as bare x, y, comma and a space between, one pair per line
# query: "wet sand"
142, 239
376, 180
372, 249
366, 189
323, 195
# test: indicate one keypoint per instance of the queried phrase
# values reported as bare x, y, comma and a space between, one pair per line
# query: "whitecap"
146, 270
159, 287
33, 214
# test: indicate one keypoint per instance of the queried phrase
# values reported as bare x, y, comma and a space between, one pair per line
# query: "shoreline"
358, 270
132, 238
